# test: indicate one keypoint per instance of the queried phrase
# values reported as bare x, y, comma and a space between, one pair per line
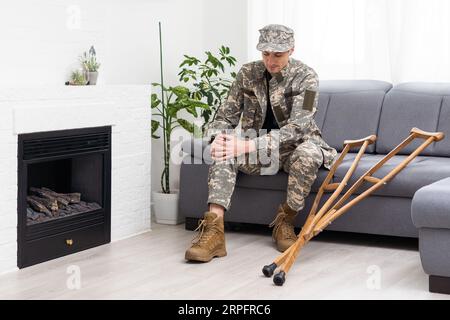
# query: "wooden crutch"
316, 222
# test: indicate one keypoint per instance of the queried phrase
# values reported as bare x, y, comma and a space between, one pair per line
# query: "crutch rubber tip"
269, 269
279, 278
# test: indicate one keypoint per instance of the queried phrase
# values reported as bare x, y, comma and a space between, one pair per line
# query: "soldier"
276, 98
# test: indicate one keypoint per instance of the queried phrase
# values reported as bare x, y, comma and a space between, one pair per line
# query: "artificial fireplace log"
38, 206
74, 197
62, 202
50, 204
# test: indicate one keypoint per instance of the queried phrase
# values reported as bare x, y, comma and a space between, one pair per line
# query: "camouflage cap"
275, 38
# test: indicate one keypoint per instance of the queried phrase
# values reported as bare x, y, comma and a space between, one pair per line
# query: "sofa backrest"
353, 109
350, 109
415, 104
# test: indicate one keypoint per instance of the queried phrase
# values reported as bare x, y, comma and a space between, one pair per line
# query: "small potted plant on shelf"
77, 78
90, 65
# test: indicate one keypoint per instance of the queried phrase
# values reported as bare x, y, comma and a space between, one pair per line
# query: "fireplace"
64, 193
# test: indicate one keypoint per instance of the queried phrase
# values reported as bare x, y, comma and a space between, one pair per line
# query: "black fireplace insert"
64, 193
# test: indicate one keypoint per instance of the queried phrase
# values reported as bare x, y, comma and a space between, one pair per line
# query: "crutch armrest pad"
360, 142
425, 135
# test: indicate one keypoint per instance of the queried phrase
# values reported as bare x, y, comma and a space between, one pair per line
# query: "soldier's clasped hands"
227, 146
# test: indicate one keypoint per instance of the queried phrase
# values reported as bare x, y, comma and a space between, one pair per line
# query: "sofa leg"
191, 223
439, 284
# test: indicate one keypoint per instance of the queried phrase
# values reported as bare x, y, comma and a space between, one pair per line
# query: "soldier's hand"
227, 146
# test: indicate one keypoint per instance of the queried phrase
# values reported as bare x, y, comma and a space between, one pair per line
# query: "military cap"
275, 38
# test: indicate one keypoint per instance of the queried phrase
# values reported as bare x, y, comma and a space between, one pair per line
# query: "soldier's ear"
291, 50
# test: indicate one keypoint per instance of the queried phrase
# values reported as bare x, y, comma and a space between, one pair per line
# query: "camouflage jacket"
247, 105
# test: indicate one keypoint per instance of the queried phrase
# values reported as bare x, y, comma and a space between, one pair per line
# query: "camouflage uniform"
297, 147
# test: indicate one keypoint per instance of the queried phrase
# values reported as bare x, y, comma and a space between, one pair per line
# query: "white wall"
42, 39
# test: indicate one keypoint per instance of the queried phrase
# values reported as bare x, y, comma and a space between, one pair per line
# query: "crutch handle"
425, 135
360, 142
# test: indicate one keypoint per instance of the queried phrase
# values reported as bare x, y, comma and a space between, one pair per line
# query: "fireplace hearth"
64, 187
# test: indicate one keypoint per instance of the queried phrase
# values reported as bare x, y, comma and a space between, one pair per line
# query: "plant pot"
166, 208
92, 76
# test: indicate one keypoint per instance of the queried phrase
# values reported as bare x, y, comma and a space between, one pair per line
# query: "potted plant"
166, 109
209, 79
90, 65
77, 78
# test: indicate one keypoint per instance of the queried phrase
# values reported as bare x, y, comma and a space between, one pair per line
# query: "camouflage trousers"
301, 164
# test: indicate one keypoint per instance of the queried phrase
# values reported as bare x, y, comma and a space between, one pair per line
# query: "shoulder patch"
308, 101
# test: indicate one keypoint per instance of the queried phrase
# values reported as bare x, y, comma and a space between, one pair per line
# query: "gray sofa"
416, 203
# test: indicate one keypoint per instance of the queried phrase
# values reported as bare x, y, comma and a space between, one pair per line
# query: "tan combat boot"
210, 241
283, 232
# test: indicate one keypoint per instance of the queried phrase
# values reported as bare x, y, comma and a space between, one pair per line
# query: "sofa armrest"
431, 205
430, 212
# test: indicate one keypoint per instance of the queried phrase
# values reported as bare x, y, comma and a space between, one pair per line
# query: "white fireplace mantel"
125, 107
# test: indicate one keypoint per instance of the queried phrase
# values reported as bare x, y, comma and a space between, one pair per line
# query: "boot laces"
281, 224
205, 231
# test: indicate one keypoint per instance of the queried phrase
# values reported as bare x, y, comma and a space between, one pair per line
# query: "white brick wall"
126, 108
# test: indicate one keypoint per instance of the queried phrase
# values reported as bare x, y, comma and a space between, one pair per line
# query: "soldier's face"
275, 61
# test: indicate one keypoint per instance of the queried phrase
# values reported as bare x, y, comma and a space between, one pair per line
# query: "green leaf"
172, 109
155, 126
210, 98
197, 95
155, 101
186, 125
190, 127
189, 61
180, 91
197, 104
206, 114
191, 109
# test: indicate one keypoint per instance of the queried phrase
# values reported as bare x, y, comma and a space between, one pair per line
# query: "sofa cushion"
422, 171
442, 148
408, 105
350, 110
276, 182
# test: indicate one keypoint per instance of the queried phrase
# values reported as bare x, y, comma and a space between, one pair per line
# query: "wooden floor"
152, 266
